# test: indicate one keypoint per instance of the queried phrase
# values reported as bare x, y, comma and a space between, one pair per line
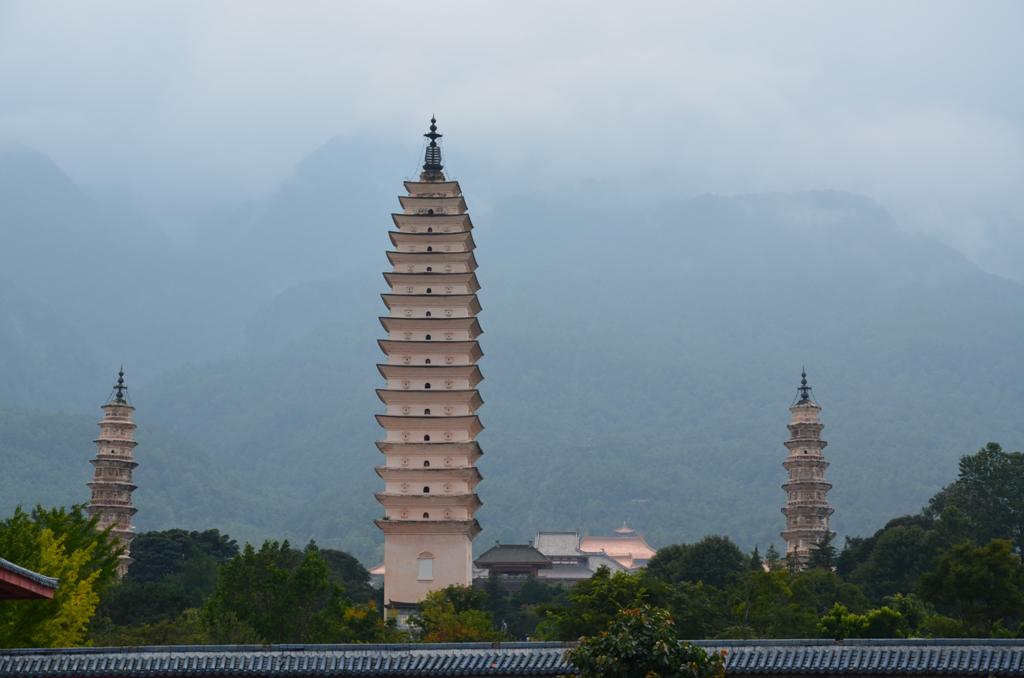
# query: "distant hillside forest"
952, 570
641, 353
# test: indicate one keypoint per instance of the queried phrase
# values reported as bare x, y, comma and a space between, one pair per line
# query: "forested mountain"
47, 457
640, 355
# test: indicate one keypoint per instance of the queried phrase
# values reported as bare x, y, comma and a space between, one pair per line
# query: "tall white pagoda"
807, 509
430, 425
111, 487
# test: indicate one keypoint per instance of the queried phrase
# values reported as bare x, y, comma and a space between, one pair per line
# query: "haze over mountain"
640, 353
194, 107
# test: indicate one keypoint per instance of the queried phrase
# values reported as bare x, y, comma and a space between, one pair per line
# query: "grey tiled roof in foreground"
756, 658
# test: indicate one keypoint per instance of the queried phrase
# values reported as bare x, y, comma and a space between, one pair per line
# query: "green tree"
455, 614
988, 494
163, 554
942, 626
772, 558
913, 610
783, 604
698, 610
900, 554
174, 570
498, 601
643, 641
593, 603
714, 560
982, 585
819, 589
187, 628
762, 605
65, 544
883, 622
526, 608
840, 623
340, 621
756, 562
285, 596
536, 592
347, 572
823, 553
855, 552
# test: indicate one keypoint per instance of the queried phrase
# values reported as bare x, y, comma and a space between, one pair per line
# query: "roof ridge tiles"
961, 657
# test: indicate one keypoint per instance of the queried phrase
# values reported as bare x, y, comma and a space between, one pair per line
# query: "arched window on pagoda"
425, 567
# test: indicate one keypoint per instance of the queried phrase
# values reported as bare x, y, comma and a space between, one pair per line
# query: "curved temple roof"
17, 582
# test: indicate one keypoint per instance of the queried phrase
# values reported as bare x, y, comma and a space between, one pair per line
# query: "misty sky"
180, 107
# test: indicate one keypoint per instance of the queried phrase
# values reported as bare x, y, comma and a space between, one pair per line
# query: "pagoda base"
425, 556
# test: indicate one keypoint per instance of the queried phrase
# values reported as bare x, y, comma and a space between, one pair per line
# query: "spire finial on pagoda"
120, 388
804, 390
432, 156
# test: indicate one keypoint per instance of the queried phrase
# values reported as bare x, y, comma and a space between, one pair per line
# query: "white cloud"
204, 103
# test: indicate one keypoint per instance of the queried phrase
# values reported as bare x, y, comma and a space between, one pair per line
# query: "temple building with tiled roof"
627, 547
576, 557
431, 397
512, 564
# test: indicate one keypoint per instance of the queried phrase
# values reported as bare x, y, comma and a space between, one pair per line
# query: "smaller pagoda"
111, 485
807, 509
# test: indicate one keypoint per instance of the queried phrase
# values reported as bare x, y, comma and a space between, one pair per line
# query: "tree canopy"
593, 603
174, 570
982, 585
714, 560
65, 544
928, 574
283, 595
823, 553
455, 614
643, 641
988, 494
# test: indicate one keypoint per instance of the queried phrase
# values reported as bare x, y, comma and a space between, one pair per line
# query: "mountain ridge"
639, 360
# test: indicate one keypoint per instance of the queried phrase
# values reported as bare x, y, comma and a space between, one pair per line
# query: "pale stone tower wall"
807, 509
430, 423
111, 486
